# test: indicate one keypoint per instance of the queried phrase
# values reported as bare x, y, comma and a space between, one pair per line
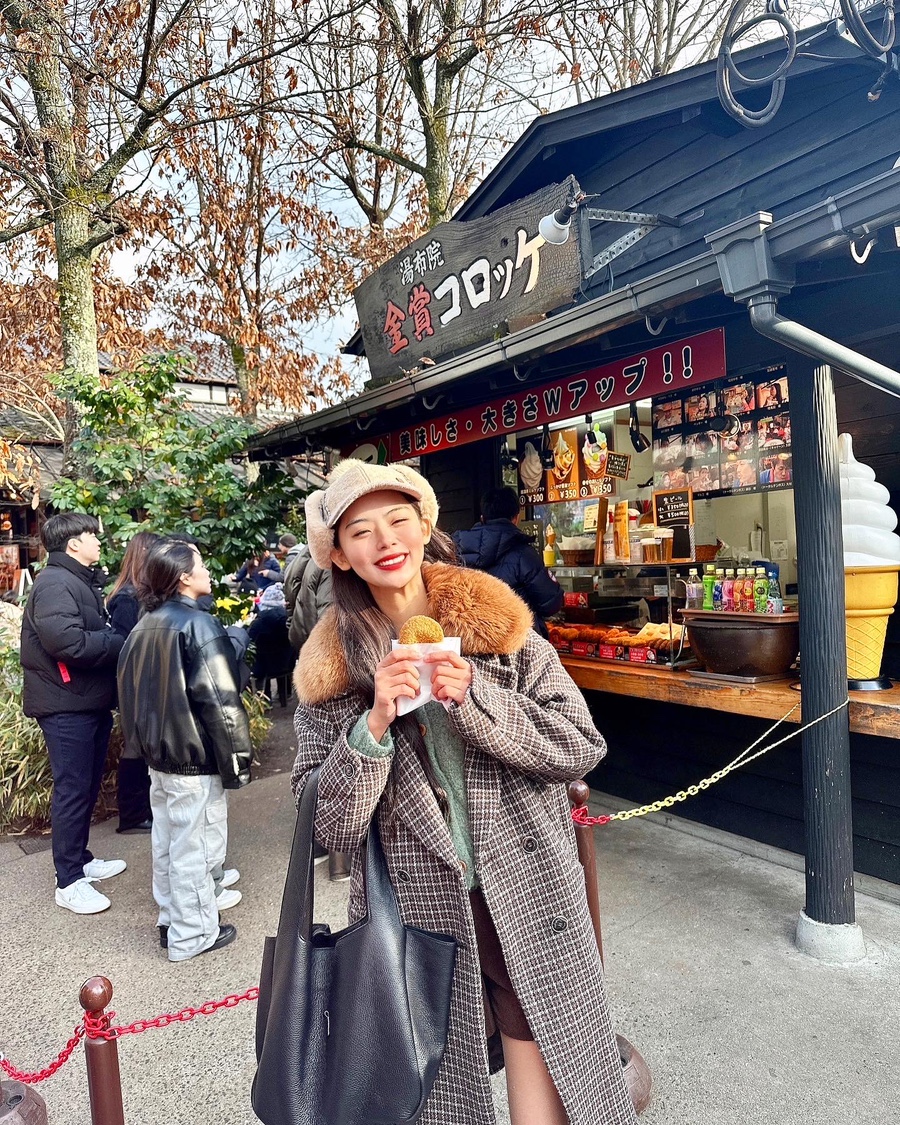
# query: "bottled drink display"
717, 589
754, 589
709, 583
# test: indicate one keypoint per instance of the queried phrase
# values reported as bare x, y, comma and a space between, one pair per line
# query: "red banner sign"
698, 359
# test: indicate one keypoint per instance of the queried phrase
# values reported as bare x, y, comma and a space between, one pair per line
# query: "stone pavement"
736, 1025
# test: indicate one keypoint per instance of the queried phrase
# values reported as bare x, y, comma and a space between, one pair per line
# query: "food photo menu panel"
727, 437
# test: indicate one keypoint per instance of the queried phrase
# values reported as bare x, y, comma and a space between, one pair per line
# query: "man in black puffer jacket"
68, 654
496, 546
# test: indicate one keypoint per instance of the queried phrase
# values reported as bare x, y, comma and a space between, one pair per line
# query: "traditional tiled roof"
16, 425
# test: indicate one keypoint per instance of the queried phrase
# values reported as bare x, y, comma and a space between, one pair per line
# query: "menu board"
730, 436
675, 508
582, 465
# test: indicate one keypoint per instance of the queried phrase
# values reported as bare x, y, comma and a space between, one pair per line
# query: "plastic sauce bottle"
718, 589
709, 582
774, 602
760, 590
728, 592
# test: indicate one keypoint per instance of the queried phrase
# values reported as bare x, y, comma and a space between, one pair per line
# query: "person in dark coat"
258, 573
181, 709
307, 594
69, 653
269, 632
496, 545
132, 779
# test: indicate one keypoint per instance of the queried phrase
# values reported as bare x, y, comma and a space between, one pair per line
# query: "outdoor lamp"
547, 458
640, 441
555, 228
508, 459
728, 425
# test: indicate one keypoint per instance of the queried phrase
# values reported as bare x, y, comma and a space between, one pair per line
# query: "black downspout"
823, 645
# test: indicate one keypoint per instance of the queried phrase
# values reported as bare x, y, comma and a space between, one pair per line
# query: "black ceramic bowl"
743, 644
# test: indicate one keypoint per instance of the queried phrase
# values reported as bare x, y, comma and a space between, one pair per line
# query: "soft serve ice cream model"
531, 471
871, 564
868, 522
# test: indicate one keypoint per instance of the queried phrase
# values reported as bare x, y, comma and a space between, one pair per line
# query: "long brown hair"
133, 560
366, 633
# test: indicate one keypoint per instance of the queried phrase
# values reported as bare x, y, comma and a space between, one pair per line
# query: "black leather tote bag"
350, 1027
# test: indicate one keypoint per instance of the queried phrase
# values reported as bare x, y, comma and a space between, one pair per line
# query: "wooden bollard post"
104, 1082
634, 1069
579, 795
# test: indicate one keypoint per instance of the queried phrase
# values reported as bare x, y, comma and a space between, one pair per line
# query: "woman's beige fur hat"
349, 480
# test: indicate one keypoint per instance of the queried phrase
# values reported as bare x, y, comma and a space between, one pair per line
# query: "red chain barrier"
40, 1075
98, 1029
583, 817
95, 1026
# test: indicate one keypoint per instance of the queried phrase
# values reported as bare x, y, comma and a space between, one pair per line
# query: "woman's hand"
395, 676
451, 677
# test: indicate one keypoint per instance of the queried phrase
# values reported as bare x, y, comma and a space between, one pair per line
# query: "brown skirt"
502, 1010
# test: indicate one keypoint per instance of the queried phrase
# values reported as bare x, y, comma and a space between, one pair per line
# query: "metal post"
826, 928
635, 1071
102, 1055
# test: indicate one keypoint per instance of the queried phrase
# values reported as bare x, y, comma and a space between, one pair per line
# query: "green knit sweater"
447, 752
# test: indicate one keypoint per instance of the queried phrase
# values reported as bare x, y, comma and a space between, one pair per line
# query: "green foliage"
150, 465
25, 782
257, 706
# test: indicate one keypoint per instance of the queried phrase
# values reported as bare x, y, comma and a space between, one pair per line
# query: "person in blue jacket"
496, 546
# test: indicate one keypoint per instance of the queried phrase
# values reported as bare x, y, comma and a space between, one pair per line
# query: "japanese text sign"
684, 362
455, 286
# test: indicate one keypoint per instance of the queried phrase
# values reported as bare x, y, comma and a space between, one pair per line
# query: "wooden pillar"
823, 649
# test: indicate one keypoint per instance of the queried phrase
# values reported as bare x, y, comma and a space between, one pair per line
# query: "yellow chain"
740, 760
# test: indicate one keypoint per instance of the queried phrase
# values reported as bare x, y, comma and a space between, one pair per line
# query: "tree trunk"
244, 381
77, 314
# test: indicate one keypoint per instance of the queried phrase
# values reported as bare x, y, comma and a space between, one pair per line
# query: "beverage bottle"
738, 591
609, 542
693, 591
717, 589
760, 590
728, 592
774, 601
709, 582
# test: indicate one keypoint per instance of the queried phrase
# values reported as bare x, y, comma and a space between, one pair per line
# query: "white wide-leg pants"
189, 840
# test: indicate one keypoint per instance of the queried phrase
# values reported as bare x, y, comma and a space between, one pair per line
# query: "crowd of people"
153, 648
469, 790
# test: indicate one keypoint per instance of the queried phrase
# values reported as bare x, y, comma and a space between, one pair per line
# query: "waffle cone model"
871, 593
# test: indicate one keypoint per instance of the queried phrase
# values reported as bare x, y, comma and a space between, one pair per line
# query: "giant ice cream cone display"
871, 563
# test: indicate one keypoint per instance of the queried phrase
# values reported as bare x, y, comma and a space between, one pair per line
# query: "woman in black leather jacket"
180, 707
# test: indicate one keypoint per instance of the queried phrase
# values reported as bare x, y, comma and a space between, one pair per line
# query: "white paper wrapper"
415, 652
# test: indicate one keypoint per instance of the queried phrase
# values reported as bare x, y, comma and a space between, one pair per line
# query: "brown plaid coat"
528, 733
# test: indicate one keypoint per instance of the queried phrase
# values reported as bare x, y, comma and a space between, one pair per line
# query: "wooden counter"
875, 712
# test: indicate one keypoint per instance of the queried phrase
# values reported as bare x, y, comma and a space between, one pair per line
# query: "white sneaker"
226, 899
81, 898
229, 877
104, 868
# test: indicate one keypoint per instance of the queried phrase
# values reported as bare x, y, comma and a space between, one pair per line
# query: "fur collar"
483, 611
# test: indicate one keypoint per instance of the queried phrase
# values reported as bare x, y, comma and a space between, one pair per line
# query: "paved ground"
737, 1026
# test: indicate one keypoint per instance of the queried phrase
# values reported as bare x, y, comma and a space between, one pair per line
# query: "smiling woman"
455, 788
